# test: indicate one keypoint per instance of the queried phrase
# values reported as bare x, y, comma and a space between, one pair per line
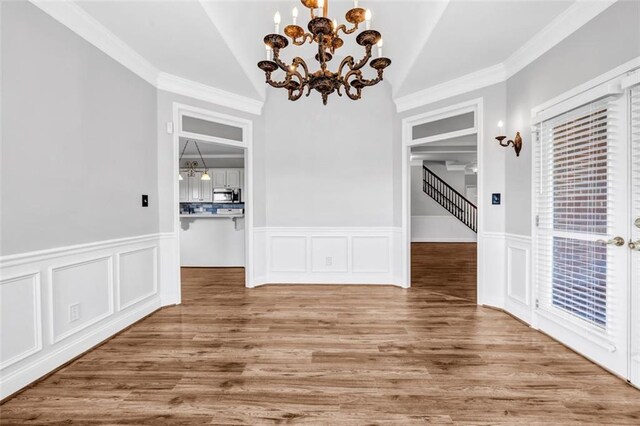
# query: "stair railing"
454, 202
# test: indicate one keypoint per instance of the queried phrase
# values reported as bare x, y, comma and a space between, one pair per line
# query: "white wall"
329, 173
212, 242
329, 166
69, 114
78, 150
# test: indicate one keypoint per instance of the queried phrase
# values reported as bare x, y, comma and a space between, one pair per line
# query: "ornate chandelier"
326, 33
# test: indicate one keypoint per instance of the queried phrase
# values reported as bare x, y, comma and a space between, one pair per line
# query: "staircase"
450, 199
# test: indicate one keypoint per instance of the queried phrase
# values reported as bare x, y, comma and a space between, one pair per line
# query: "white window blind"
573, 204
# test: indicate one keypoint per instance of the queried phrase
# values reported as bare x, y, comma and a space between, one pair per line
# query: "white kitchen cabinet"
233, 178
184, 187
194, 189
218, 177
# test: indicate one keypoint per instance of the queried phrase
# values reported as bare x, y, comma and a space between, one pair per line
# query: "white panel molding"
34, 277
84, 25
50, 353
458, 86
353, 251
519, 303
491, 259
39, 366
119, 271
51, 309
565, 24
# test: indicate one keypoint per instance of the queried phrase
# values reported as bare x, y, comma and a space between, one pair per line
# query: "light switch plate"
145, 200
170, 127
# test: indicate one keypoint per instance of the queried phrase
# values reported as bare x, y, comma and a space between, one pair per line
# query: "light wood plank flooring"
327, 355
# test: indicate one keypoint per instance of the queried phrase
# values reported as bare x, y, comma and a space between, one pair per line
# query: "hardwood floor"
446, 268
327, 355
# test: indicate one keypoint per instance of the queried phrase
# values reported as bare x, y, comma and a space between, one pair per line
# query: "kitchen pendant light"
192, 165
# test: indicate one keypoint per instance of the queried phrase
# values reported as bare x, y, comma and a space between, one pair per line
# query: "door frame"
476, 106
180, 110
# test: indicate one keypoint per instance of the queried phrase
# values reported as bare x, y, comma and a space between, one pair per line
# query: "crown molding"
458, 86
193, 89
565, 24
69, 14
80, 22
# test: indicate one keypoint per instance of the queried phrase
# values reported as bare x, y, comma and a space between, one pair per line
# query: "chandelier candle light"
326, 33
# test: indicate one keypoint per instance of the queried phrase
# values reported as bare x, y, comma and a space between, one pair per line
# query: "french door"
582, 230
634, 245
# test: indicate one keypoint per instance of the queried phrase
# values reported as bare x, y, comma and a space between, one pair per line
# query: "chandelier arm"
347, 85
344, 29
299, 61
348, 61
303, 39
364, 60
373, 81
278, 84
276, 58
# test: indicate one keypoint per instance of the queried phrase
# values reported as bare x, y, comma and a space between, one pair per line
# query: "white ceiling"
208, 149
218, 43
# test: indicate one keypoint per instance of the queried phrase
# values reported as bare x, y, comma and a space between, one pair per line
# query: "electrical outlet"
328, 261
74, 312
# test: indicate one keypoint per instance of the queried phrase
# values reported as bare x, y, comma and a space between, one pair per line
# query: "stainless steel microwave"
226, 195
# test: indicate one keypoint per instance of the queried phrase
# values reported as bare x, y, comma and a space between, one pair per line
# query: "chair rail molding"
73, 298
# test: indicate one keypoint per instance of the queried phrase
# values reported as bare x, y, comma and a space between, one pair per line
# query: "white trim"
40, 255
41, 366
37, 317
84, 25
53, 349
118, 277
582, 91
565, 24
55, 338
475, 105
180, 110
182, 86
292, 261
458, 86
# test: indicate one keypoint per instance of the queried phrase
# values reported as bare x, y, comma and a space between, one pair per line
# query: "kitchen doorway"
213, 190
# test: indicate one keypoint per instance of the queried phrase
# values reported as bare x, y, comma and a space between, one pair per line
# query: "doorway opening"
441, 192
213, 197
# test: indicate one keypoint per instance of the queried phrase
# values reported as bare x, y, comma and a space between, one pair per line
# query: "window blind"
634, 125
573, 206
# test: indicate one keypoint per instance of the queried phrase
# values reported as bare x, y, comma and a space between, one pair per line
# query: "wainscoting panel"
138, 276
56, 304
372, 254
86, 286
329, 254
20, 318
519, 292
492, 269
326, 256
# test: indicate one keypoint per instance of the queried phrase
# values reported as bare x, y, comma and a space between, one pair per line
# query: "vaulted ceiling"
218, 43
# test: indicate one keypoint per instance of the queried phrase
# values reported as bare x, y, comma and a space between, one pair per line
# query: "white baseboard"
327, 256
112, 283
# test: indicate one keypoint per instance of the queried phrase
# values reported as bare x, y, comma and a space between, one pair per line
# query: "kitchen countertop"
210, 216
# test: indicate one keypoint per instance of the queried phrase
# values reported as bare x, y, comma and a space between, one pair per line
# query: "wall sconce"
516, 142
